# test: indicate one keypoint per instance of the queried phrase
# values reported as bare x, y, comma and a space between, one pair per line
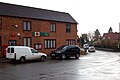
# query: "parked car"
91, 49
23, 53
85, 46
66, 52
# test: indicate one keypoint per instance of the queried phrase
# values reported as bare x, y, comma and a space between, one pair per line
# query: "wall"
9, 27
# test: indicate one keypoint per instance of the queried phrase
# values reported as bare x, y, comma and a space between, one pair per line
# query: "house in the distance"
111, 39
41, 29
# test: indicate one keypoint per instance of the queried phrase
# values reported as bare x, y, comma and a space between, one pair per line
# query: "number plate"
53, 54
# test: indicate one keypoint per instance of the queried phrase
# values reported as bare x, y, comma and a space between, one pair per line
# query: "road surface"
99, 65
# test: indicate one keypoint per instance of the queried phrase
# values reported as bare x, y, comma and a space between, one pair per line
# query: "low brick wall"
1, 54
107, 49
82, 51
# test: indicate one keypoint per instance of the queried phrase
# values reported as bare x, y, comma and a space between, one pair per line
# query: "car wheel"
22, 59
77, 55
67, 57
62, 57
43, 58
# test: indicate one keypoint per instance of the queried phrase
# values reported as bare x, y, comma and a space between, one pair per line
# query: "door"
4, 49
12, 42
35, 54
10, 53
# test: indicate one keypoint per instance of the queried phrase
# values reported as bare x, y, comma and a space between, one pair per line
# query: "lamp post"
109, 42
18, 35
118, 46
103, 42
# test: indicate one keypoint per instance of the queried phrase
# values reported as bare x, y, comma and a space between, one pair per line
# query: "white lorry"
23, 53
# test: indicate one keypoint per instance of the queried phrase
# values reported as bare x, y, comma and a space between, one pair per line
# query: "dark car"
66, 52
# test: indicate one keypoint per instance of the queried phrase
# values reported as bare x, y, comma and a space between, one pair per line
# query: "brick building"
111, 39
41, 29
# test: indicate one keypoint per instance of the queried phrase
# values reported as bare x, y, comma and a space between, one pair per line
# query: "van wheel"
43, 58
22, 59
77, 55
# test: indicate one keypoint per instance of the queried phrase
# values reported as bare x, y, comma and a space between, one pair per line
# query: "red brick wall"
37, 26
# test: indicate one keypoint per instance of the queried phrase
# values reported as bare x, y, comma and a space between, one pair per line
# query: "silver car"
91, 49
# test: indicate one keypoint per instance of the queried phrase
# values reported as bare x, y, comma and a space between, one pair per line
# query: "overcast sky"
90, 14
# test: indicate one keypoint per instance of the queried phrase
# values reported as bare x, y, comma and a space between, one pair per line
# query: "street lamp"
108, 42
103, 41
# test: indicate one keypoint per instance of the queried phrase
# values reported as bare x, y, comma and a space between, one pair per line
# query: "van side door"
35, 54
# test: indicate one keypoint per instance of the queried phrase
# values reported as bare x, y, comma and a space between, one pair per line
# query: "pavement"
108, 49
3, 60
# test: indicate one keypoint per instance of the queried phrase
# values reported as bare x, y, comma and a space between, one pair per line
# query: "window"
27, 41
12, 42
0, 43
49, 43
70, 42
52, 27
38, 46
0, 23
12, 50
8, 50
68, 27
34, 51
26, 25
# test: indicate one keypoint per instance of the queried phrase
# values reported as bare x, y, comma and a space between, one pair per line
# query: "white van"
23, 53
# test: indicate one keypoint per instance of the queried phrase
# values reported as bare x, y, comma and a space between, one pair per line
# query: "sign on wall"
36, 33
41, 34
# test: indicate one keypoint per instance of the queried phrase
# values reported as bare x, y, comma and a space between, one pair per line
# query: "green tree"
110, 30
97, 35
83, 39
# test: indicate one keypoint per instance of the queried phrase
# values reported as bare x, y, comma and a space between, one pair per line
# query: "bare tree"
90, 36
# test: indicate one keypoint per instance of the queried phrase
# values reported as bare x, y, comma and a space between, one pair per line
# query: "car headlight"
58, 51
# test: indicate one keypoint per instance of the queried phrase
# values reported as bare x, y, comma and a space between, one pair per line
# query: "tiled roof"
112, 36
35, 13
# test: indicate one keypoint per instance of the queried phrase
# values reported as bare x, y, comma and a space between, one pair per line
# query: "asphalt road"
94, 66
